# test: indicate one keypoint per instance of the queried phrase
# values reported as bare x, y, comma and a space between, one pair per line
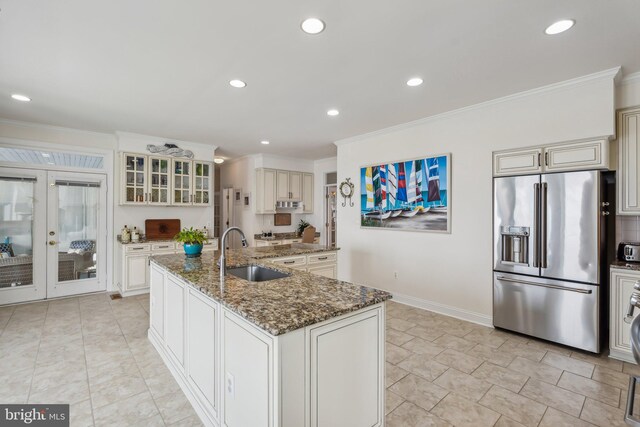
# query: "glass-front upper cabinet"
182, 177
202, 183
135, 179
159, 180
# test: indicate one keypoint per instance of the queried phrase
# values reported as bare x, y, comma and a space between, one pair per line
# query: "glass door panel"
77, 213
202, 183
182, 182
21, 218
159, 181
135, 181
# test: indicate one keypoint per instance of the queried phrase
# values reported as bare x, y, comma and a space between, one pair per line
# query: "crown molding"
611, 73
633, 78
152, 138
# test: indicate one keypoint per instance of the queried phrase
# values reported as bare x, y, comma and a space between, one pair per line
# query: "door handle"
544, 285
536, 222
52, 242
543, 232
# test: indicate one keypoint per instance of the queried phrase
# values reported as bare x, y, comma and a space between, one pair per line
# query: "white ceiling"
162, 67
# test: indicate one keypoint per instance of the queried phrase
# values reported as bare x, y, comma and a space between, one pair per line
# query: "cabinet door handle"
322, 258
539, 160
289, 262
546, 159
137, 249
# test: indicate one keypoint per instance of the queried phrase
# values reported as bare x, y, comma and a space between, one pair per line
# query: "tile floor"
92, 352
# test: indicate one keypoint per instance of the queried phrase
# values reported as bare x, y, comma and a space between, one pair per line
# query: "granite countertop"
292, 249
144, 240
276, 306
281, 236
635, 266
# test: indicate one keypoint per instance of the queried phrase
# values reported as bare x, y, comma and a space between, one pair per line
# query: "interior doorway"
330, 208
52, 234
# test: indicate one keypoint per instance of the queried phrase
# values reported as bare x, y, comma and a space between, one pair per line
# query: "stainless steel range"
548, 248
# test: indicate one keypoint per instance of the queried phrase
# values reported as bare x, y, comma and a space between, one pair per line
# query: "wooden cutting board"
160, 229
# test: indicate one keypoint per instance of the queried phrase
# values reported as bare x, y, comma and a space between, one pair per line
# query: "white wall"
452, 273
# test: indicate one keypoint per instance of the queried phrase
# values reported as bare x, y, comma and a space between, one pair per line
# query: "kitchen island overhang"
303, 350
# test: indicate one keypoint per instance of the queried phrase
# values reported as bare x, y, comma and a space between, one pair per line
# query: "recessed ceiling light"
218, 161
333, 112
312, 26
559, 27
237, 83
415, 81
264, 142
19, 97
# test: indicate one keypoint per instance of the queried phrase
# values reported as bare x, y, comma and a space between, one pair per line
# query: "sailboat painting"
407, 195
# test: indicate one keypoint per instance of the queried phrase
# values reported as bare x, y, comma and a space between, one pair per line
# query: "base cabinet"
236, 375
622, 282
321, 263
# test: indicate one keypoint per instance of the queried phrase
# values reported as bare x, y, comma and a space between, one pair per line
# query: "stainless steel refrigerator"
548, 249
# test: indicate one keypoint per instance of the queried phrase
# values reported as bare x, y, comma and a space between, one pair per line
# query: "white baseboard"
447, 310
621, 355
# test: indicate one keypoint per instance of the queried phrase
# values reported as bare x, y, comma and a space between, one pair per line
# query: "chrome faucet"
223, 251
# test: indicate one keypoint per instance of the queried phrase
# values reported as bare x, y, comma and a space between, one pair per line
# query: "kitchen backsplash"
627, 229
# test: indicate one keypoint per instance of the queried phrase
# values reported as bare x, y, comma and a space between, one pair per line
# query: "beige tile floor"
92, 352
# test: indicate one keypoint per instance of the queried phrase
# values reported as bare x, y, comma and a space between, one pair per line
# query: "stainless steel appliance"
629, 251
547, 256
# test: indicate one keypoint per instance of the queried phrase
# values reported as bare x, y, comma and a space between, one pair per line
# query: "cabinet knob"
52, 242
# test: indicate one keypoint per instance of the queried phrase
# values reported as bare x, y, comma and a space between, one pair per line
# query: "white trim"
151, 138
606, 74
447, 310
630, 79
620, 355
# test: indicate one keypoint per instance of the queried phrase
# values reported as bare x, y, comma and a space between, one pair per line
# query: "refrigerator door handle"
544, 285
543, 227
536, 221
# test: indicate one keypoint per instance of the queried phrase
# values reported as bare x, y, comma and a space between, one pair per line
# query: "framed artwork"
246, 201
237, 197
411, 195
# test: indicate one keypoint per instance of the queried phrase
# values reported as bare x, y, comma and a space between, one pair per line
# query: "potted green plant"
192, 241
301, 226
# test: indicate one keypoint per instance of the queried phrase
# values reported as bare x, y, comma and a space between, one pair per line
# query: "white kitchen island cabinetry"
236, 374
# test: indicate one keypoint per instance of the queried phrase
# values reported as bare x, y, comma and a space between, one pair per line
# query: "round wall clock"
346, 191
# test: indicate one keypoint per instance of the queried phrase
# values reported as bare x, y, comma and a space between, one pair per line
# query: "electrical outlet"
230, 386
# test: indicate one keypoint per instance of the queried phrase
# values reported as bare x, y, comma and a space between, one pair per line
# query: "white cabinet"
328, 270
621, 285
164, 181
263, 243
321, 263
307, 192
289, 186
174, 332
265, 200
629, 161
202, 349
156, 301
517, 162
295, 185
566, 156
133, 179
134, 261
355, 345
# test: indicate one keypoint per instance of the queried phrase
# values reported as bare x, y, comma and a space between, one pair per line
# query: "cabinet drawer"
137, 248
322, 257
290, 241
295, 261
163, 247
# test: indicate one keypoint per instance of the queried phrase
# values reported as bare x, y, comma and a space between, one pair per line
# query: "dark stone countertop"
276, 306
624, 265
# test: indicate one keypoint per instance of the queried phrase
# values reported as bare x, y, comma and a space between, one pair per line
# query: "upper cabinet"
629, 152
289, 185
567, 156
165, 181
274, 186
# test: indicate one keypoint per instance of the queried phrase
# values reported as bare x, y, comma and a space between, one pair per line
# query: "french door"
52, 234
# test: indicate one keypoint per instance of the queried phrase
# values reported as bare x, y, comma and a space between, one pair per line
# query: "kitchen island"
302, 350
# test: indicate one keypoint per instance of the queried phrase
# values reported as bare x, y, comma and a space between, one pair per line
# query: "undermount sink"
255, 273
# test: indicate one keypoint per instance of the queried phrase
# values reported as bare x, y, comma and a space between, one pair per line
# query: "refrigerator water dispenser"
515, 245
